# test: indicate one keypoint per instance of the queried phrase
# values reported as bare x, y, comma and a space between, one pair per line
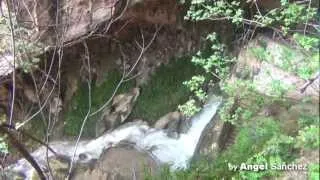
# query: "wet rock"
118, 112
173, 129
185, 124
213, 138
59, 168
123, 162
167, 119
174, 122
91, 174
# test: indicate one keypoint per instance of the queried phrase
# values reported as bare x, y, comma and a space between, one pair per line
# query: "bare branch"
13, 48
87, 57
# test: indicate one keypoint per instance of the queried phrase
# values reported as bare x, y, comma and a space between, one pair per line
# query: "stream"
176, 152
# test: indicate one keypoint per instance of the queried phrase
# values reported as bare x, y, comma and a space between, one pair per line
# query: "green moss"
164, 92
99, 94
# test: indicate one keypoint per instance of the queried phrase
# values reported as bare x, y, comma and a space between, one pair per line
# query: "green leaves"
195, 83
213, 59
195, 86
314, 171
3, 146
308, 137
189, 108
201, 10
284, 2
282, 18
306, 42
215, 64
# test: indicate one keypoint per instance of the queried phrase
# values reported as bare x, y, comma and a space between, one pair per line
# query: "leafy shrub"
306, 42
307, 120
189, 108
308, 137
215, 65
313, 172
3, 146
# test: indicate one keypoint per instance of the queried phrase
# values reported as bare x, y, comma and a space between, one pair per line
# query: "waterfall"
175, 152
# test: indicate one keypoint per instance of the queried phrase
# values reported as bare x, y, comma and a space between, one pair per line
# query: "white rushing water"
176, 152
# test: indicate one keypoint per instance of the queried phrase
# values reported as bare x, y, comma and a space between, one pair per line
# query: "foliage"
189, 108
308, 137
240, 90
3, 146
291, 14
285, 17
201, 10
314, 172
307, 42
195, 86
213, 60
274, 152
310, 44
253, 136
308, 120
215, 65
226, 111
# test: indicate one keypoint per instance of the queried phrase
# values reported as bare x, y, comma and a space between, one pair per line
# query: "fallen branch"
309, 82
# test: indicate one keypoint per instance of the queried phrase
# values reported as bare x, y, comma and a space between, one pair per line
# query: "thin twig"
307, 19
14, 61
89, 109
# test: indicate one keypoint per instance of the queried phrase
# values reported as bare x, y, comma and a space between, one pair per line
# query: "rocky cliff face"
74, 19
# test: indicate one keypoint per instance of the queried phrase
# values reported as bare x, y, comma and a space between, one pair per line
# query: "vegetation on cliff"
261, 138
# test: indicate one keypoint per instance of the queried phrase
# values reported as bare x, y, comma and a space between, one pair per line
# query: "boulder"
167, 119
118, 112
174, 122
213, 138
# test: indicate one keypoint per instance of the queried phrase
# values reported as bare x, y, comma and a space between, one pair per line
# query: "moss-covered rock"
99, 95
164, 91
